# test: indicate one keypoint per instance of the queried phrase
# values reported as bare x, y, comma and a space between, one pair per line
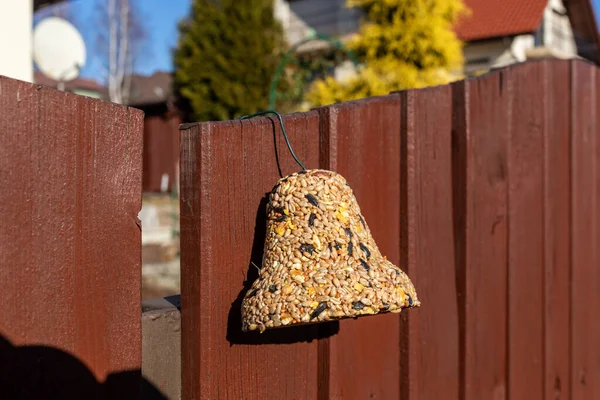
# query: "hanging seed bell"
320, 261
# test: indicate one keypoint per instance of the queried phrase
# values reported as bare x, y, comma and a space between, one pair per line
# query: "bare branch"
126, 91
112, 52
123, 48
120, 37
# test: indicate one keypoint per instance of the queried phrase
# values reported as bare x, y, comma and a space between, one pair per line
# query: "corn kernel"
401, 295
280, 229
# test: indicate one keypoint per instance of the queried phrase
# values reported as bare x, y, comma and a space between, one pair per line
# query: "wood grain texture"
227, 169
557, 229
525, 231
485, 191
161, 149
70, 245
481, 125
430, 334
596, 234
584, 270
361, 141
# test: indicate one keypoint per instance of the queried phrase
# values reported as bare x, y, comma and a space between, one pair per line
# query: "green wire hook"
335, 42
285, 136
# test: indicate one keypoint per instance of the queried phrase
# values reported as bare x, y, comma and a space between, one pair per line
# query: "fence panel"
596, 246
430, 336
557, 229
584, 270
227, 170
485, 191
363, 140
161, 151
525, 163
481, 122
70, 169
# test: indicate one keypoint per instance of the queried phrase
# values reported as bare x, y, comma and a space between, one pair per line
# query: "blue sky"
160, 19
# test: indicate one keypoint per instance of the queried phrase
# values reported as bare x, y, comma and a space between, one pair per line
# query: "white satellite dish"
58, 49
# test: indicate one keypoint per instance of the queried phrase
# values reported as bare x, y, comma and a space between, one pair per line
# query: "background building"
496, 33
16, 39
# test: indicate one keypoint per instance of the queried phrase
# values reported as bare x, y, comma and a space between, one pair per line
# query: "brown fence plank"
227, 168
430, 366
70, 169
557, 229
525, 231
361, 141
480, 108
584, 270
161, 149
596, 246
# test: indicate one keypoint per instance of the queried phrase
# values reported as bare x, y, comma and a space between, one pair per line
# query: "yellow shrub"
403, 44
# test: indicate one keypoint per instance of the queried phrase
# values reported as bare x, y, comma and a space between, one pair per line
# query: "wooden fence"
161, 149
70, 245
486, 191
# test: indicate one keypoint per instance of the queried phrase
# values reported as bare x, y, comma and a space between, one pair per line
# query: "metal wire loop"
285, 136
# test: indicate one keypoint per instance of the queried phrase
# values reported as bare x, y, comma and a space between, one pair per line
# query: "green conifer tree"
227, 53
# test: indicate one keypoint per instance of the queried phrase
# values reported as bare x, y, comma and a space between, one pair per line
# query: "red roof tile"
493, 18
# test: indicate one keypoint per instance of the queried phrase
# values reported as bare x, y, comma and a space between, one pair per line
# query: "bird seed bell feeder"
320, 260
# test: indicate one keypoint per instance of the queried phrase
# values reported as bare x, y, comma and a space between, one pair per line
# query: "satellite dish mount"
58, 50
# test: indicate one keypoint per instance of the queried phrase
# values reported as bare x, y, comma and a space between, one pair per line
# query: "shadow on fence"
65, 284
42, 372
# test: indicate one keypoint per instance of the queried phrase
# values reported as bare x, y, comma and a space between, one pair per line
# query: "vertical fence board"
227, 169
430, 333
70, 169
480, 108
361, 141
584, 271
557, 229
596, 246
161, 151
525, 231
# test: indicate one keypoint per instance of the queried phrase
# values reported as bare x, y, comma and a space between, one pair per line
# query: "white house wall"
16, 18
302, 18
557, 32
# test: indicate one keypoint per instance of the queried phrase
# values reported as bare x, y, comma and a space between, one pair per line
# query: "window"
476, 66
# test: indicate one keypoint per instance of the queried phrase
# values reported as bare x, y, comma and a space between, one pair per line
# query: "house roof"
496, 18
44, 3
75, 84
153, 89
585, 26
145, 90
